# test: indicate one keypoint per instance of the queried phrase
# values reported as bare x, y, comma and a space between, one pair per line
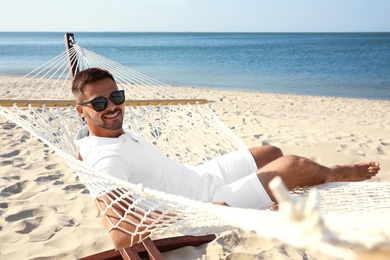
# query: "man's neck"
105, 133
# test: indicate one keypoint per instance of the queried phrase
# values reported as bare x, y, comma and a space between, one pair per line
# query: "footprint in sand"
58, 183
12, 189
10, 154
5, 163
51, 166
77, 187
24, 138
48, 178
30, 222
8, 126
12, 177
3, 205
20, 215
22, 190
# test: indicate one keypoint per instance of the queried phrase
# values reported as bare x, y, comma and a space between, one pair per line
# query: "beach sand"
47, 213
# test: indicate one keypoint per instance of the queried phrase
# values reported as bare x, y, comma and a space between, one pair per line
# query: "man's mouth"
112, 115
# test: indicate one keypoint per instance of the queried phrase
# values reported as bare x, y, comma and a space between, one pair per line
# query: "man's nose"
110, 104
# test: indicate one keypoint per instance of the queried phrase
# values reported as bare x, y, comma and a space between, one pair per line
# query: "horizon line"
191, 32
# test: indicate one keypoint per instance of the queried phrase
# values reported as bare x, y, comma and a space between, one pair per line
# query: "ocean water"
323, 64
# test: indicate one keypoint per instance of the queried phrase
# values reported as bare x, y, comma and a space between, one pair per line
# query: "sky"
195, 15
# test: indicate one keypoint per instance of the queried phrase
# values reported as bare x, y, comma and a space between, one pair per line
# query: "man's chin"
116, 128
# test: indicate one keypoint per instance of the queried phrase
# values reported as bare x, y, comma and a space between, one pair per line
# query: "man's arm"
119, 237
113, 216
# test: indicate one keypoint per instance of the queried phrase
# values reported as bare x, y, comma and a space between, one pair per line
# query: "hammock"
187, 130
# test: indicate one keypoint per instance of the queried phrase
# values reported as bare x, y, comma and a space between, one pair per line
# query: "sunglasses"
100, 103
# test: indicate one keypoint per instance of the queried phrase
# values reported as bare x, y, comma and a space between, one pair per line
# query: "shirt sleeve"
114, 166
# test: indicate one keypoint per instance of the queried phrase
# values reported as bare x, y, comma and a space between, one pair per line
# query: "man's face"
106, 123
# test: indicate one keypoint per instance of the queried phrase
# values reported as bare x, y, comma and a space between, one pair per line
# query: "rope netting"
188, 131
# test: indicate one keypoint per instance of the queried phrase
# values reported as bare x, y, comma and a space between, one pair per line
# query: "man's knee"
269, 151
276, 151
273, 152
296, 161
265, 154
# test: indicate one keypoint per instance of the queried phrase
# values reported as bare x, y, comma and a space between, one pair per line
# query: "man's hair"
85, 77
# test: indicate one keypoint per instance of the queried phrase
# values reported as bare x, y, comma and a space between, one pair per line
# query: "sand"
46, 212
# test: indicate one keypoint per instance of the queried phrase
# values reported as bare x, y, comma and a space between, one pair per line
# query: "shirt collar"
83, 132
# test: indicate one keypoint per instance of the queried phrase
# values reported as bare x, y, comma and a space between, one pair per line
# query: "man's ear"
80, 110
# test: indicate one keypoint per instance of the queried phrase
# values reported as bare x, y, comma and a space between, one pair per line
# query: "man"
238, 179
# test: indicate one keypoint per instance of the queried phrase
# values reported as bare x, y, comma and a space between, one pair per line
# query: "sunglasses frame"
105, 99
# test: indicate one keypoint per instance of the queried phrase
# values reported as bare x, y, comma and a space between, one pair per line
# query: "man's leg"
263, 155
298, 171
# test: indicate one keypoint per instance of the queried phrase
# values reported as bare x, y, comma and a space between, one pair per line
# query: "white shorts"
238, 184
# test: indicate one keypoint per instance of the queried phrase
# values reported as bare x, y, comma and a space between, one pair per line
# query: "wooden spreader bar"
66, 103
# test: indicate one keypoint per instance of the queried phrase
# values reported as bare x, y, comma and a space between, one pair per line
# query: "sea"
351, 65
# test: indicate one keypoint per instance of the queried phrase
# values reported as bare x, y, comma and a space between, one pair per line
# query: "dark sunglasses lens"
117, 97
99, 104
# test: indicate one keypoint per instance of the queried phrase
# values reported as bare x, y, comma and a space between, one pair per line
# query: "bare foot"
354, 172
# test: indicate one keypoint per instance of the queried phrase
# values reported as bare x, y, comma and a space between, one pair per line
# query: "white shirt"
130, 158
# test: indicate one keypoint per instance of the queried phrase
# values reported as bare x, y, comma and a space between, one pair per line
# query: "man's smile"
112, 115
